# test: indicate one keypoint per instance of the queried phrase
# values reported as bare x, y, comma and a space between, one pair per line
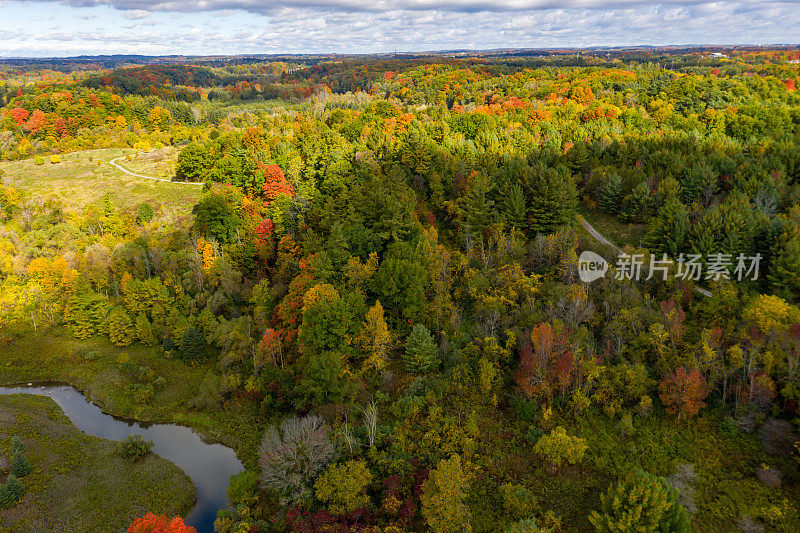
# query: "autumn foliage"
683, 392
275, 183
151, 523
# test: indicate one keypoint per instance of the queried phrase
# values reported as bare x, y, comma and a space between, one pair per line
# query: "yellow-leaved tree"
443, 495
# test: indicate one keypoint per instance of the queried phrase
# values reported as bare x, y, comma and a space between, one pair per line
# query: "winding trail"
600, 238
116, 165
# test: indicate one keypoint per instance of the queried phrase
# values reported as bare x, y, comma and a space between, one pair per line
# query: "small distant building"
718, 54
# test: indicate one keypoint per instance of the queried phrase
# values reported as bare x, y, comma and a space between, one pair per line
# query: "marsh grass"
79, 482
111, 377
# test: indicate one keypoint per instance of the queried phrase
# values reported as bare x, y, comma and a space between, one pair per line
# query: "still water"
208, 465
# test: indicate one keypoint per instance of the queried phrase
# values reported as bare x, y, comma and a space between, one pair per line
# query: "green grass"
79, 482
107, 375
85, 177
613, 229
725, 489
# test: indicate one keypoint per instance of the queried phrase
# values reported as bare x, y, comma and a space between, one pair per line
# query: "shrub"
640, 503
343, 487
421, 351
17, 446
55, 159
559, 448
292, 455
144, 213
243, 488
38, 160
14, 488
518, 501
209, 395
6, 499
134, 447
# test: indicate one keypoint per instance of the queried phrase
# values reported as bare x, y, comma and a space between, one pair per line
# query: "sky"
224, 27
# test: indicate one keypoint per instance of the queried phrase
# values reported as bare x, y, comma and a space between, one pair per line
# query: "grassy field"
157, 163
79, 482
121, 381
85, 177
616, 231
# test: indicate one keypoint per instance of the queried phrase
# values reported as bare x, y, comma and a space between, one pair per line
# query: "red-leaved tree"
275, 182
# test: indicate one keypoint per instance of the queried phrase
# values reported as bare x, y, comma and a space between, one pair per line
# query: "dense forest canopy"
381, 277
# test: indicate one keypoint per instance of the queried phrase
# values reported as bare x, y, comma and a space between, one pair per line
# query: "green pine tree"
15, 488
514, 206
784, 272
668, 232
611, 194
642, 503
553, 199
193, 344
20, 466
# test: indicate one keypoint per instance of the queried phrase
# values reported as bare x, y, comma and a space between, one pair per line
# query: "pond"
208, 465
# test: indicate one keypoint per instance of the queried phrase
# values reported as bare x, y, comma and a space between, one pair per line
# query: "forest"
375, 295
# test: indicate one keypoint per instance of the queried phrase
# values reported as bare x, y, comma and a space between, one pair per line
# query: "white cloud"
136, 14
357, 26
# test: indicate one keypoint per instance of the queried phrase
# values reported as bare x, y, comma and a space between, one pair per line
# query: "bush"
14, 488
292, 455
38, 160
243, 488
17, 446
55, 159
134, 447
343, 487
6, 499
559, 448
144, 213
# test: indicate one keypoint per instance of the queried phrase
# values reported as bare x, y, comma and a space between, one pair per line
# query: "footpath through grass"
136, 382
618, 232
82, 178
79, 482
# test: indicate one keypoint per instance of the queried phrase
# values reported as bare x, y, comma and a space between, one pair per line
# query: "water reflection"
208, 465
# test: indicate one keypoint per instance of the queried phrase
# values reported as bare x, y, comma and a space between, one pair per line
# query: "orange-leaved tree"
683, 392
151, 523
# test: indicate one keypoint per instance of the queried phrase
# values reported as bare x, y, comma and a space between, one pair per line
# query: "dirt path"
116, 165
600, 238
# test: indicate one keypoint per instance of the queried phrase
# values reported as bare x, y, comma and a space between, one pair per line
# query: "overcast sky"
74, 27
